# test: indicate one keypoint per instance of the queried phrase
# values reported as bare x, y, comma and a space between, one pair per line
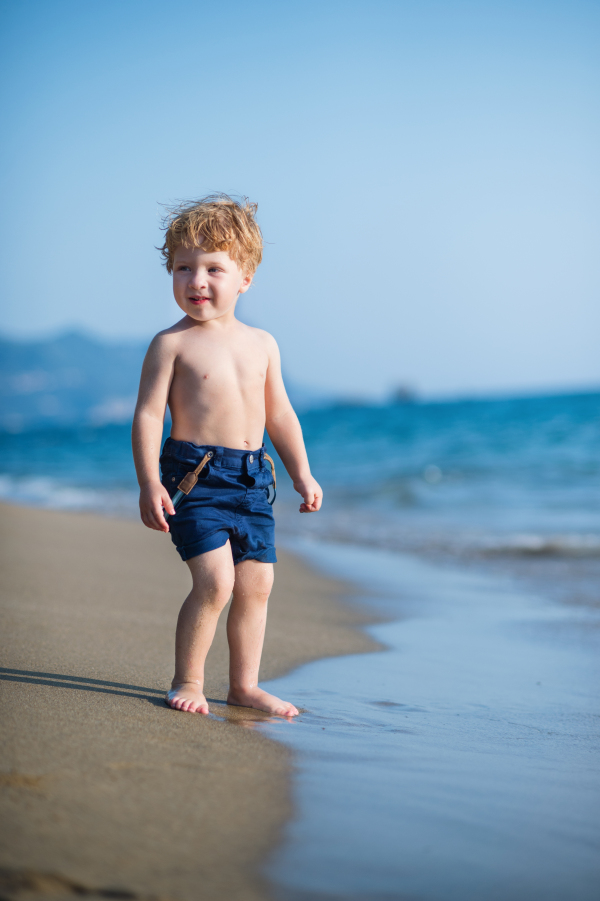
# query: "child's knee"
218, 591
214, 589
261, 581
266, 580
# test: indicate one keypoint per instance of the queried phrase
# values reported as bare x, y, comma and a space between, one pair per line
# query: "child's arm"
285, 433
155, 383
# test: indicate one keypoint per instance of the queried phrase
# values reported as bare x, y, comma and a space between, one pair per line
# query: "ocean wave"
435, 537
532, 545
348, 526
56, 495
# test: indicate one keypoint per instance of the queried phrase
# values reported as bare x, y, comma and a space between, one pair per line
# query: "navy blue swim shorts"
230, 501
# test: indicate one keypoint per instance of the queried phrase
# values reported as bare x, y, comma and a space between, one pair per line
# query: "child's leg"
213, 578
246, 632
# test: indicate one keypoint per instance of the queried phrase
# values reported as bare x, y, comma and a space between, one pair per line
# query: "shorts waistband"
225, 457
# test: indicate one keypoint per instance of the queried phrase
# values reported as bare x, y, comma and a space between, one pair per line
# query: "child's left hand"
312, 494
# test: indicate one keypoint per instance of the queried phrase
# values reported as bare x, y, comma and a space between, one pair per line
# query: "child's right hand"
154, 500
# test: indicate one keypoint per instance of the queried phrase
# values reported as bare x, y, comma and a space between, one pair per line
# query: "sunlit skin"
222, 382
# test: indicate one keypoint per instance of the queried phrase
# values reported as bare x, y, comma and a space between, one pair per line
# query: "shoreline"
103, 786
459, 764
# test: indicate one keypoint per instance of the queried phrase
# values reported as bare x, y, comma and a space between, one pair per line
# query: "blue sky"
426, 172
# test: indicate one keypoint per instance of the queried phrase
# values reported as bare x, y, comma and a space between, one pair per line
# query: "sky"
426, 173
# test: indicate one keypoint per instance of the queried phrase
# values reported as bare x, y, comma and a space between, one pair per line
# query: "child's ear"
246, 282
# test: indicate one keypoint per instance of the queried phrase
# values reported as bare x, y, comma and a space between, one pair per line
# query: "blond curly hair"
217, 222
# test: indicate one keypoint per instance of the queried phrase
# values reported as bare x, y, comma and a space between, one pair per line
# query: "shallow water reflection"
462, 763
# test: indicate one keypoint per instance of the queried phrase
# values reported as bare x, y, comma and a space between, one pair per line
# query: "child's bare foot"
261, 700
187, 697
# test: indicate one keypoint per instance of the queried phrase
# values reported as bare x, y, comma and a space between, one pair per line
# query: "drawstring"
270, 460
188, 481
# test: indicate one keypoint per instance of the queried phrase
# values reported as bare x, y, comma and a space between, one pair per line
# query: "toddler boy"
222, 382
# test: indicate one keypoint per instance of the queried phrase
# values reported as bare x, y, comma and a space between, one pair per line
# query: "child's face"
207, 285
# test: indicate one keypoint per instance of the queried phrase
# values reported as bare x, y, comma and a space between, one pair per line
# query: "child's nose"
199, 279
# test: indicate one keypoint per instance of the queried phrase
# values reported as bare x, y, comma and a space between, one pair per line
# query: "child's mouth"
198, 300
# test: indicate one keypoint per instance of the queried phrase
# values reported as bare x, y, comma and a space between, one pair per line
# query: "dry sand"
102, 786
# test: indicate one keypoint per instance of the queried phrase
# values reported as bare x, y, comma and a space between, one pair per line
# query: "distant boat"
403, 394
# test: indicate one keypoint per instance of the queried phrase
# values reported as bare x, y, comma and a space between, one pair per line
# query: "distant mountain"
75, 378
69, 379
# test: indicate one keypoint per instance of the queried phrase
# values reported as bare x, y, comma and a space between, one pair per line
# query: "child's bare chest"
209, 368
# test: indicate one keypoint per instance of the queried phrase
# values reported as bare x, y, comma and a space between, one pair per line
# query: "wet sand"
102, 786
459, 764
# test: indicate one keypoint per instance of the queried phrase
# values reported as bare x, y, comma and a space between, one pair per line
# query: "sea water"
461, 762
515, 476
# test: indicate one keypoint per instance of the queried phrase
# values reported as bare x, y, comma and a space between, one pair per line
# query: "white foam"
50, 493
531, 544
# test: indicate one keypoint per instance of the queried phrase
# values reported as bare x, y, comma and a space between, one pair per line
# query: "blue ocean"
499, 476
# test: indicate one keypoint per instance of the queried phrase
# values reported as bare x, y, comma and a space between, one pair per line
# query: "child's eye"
183, 268
214, 269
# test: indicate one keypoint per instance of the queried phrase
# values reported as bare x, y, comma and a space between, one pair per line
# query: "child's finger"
168, 503
150, 521
159, 519
162, 522
312, 503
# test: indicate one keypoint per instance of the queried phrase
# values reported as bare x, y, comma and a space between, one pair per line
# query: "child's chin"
200, 313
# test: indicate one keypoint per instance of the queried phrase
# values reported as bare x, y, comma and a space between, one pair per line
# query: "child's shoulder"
264, 343
172, 340
260, 336
172, 336
165, 347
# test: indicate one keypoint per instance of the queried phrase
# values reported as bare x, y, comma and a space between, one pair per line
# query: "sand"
102, 786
